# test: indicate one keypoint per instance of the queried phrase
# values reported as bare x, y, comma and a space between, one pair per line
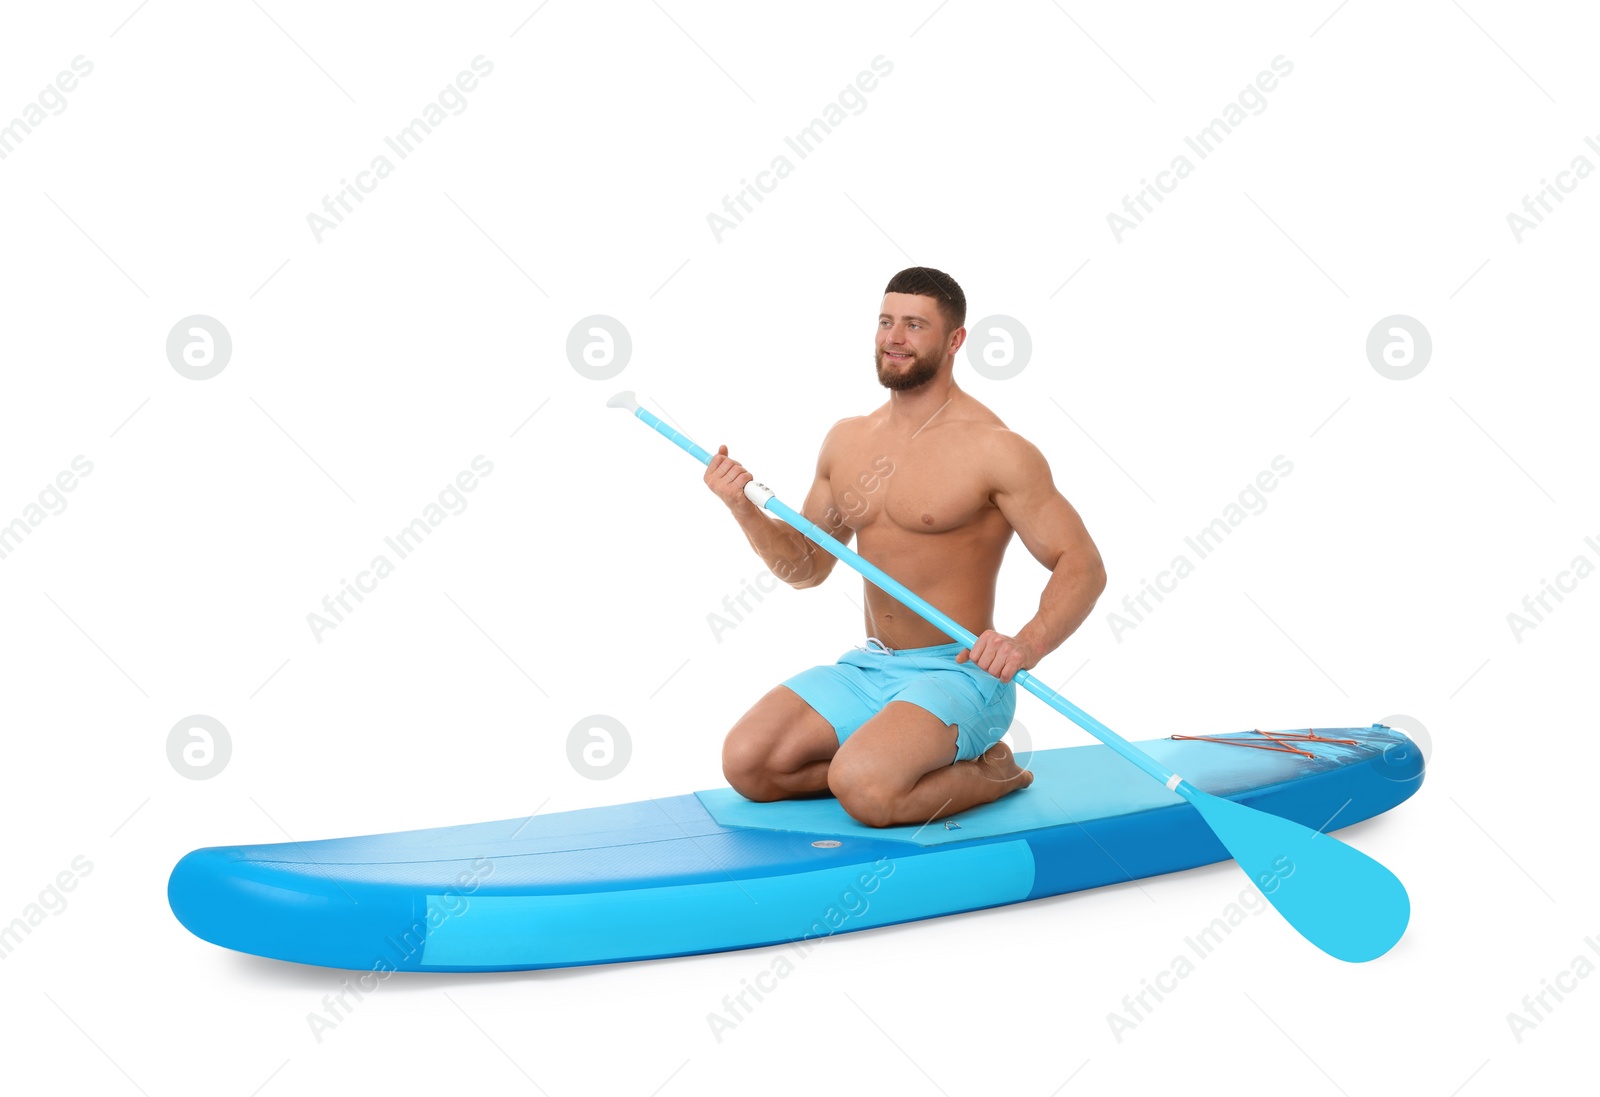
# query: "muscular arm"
791, 556
819, 508
1054, 535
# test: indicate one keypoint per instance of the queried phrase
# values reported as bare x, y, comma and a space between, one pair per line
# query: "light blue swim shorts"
851, 691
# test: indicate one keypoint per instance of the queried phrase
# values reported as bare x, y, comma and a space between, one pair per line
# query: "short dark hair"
927, 282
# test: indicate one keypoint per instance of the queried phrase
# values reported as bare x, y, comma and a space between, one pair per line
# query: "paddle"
1336, 897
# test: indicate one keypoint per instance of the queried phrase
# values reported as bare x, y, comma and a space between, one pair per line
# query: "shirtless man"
906, 728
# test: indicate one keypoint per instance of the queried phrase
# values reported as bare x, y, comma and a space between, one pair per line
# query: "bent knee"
747, 766
868, 802
742, 755
756, 787
749, 779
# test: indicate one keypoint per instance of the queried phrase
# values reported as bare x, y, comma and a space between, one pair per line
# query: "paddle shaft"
932, 614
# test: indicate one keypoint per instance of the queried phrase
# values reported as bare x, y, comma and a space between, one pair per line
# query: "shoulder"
843, 430
974, 413
839, 436
1014, 464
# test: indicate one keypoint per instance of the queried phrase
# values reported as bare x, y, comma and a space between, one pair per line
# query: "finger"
991, 648
1022, 661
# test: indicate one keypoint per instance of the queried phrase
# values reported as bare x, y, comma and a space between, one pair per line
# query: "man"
906, 728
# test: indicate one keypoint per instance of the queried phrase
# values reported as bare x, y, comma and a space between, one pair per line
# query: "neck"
911, 410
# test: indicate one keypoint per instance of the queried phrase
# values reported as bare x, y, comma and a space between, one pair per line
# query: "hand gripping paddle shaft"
1335, 896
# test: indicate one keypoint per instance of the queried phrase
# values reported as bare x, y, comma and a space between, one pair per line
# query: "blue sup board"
711, 871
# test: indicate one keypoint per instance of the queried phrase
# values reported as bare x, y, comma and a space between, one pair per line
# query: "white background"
369, 368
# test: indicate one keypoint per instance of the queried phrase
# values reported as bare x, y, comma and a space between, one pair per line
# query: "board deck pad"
1069, 783
711, 871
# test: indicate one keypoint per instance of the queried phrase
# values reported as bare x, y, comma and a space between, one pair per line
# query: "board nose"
289, 912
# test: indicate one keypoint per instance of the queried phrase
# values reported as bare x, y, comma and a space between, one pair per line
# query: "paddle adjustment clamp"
1173, 782
758, 493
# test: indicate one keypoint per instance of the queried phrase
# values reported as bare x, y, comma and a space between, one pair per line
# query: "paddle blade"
1335, 896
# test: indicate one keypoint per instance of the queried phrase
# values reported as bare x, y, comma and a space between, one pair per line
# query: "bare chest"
915, 488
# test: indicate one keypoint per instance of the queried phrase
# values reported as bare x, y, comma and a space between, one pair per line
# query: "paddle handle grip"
928, 612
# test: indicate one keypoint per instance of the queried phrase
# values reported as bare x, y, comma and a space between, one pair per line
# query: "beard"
912, 373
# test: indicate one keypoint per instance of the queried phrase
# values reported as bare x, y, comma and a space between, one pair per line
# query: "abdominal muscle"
954, 571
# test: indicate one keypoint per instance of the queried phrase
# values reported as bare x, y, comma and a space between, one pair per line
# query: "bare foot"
997, 764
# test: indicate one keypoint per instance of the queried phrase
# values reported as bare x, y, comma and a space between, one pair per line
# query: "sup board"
712, 871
